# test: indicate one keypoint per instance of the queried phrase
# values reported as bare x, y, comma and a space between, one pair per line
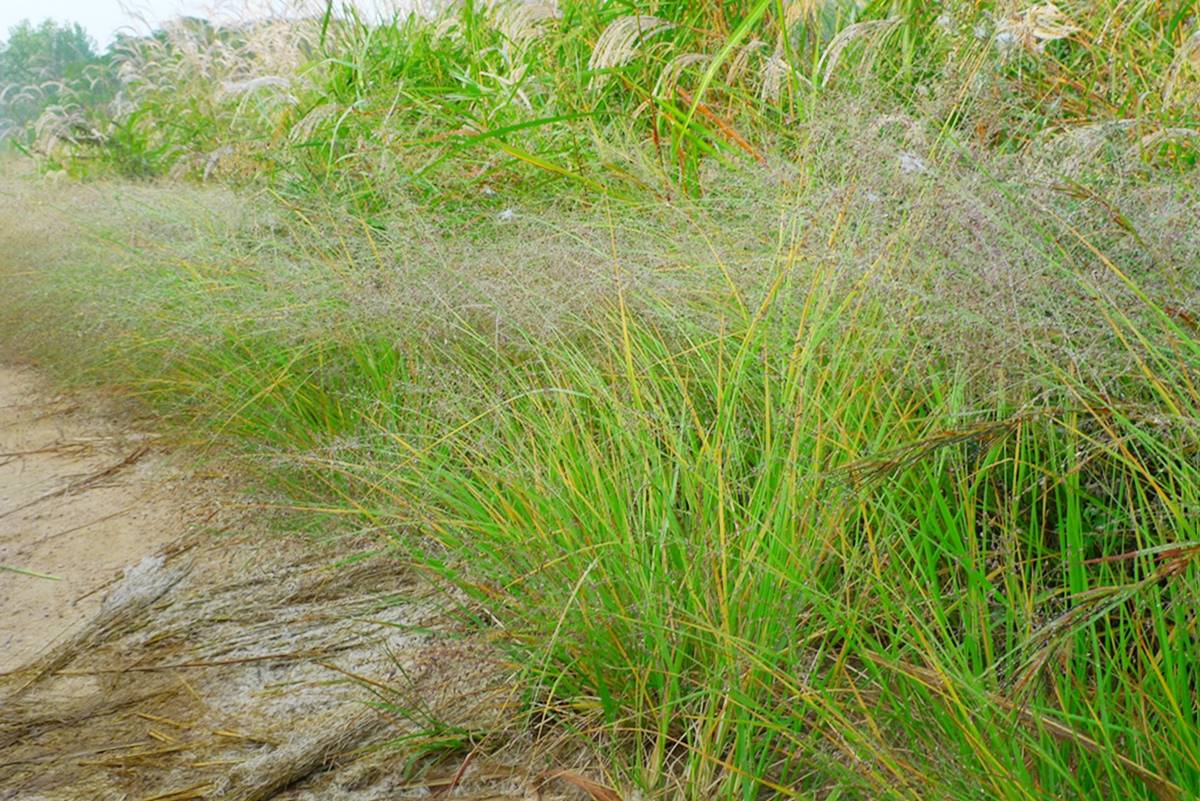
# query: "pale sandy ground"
79, 499
183, 650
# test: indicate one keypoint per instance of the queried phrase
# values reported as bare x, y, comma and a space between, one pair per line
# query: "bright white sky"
100, 17
103, 17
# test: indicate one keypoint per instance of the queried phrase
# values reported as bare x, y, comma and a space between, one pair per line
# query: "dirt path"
79, 500
156, 645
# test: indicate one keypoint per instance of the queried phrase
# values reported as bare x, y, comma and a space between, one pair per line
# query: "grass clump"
783, 562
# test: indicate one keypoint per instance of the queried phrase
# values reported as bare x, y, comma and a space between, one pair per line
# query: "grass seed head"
621, 39
1032, 28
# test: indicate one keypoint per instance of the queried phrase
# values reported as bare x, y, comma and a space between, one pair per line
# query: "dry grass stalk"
871, 31
186, 794
739, 65
522, 23
593, 789
619, 43
22, 717
774, 71
262, 777
144, 584
83, 483
672, 73
1185, 63
802, 11
1032, 28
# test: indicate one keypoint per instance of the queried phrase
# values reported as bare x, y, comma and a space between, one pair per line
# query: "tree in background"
41, 66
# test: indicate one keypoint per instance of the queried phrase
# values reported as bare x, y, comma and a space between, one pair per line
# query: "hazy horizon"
103, 18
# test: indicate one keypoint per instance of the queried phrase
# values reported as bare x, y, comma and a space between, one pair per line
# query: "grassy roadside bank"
868, 469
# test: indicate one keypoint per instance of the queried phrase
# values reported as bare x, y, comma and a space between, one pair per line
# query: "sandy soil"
80, 498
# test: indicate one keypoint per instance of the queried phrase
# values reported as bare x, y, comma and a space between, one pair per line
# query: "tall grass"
498, 94
796, 563
803, 394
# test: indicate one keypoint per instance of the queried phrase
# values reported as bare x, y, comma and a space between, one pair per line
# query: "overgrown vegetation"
805, 394
44, 67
